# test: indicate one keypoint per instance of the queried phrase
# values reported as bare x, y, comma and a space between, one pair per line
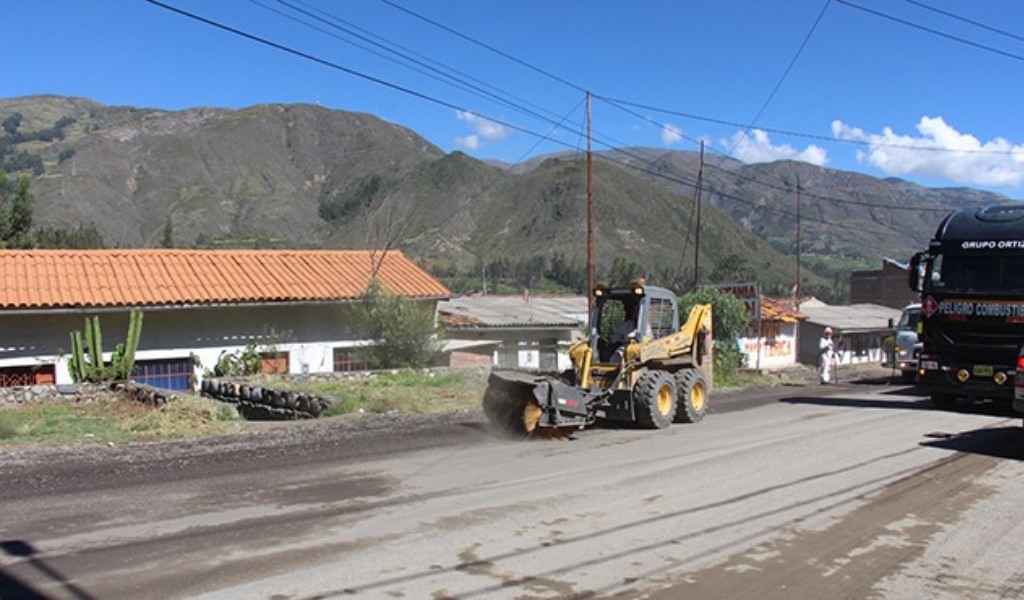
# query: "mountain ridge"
299, 175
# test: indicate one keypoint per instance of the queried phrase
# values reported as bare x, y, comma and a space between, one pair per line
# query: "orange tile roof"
780, 309
105, 278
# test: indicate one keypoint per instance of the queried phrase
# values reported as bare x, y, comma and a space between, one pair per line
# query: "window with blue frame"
166, 374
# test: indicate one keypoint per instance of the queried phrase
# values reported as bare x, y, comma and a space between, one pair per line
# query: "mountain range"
306, 176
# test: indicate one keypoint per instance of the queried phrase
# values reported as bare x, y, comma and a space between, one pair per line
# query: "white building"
858, 331
771, 341
294, 306
513, 332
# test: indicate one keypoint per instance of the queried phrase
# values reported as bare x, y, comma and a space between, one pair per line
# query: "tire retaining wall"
258, 402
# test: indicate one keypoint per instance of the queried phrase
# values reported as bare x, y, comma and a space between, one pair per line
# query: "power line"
796, 134
777, 187
789, 68
362, 75
477, 42
436, 72
931, 31
258, 39
460, 83
966, 20
406, 90
338, 67
546, 73
612, 145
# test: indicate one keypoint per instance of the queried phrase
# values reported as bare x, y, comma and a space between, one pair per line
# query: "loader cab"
639, 312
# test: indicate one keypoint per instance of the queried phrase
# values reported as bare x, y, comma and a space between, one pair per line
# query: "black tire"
654, 399
908, 376
943, 401
692, 396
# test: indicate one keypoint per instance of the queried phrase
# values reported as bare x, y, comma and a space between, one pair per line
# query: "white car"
907, 349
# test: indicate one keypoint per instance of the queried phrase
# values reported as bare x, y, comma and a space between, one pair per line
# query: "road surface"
855, 491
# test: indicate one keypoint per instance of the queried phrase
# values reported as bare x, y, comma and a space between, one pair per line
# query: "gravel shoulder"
362, 433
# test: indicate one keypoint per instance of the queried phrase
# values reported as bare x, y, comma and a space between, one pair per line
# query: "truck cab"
971, 281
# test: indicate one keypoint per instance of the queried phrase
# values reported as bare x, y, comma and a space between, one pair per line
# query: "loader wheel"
654, 399
693, 396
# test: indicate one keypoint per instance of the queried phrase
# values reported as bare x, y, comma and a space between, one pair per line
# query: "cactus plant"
86, 361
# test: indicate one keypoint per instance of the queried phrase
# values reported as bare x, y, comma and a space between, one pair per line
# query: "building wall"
886, 286
307, 333
462, 359
544, 349
855, 347
775, 348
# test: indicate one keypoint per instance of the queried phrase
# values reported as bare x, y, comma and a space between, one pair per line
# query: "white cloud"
483, 128
939, 151
671, 134
470, 142
756, 147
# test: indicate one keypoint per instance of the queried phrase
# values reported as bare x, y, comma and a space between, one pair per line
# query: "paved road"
856, 491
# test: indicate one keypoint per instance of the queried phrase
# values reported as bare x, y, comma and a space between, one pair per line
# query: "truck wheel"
943, 401
692, 392
654, 399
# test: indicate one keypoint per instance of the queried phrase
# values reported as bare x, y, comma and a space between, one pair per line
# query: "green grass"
403, 392
114, 421
743, 378
120, 421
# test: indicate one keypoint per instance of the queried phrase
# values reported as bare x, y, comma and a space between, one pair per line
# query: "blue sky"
925, 90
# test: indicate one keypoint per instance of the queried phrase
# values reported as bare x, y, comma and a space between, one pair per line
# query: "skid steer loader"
658, 374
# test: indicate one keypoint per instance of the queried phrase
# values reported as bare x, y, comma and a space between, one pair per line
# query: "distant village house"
513, 332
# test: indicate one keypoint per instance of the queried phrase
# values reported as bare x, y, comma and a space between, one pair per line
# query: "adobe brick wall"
886, 286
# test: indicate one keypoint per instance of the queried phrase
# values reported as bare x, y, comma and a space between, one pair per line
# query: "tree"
528, 271
16, 209
732, 268
168, 236
729, 320
402, 330
623, 271
11, 124
80, 236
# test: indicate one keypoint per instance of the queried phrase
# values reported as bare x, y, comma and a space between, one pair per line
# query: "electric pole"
796, 288
696, 247
590, 218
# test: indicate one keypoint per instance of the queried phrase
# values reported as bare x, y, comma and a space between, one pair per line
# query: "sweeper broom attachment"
523, 403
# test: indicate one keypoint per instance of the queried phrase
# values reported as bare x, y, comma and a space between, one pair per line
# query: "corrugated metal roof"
513, 311
851, 317
107, 278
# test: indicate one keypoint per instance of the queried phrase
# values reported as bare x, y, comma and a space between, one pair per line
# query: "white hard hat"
828, 331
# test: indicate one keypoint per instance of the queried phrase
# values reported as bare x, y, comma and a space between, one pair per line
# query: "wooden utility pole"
590, 218
696, 245
796, 288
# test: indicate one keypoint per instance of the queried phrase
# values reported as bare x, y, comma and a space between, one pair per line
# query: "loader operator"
625, 332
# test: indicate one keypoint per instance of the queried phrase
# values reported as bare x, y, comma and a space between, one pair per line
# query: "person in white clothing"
826, 352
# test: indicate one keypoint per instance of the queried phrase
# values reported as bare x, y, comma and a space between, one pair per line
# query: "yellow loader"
637, 365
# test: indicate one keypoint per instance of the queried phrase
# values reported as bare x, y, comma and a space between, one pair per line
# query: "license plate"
983, 370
